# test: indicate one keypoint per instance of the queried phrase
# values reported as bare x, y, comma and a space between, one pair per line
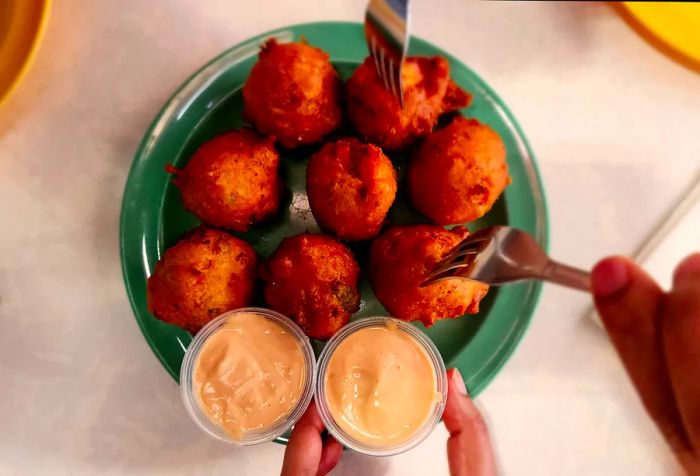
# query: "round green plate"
209, 103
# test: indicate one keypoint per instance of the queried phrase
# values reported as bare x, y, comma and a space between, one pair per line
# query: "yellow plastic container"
22, 24
672, 27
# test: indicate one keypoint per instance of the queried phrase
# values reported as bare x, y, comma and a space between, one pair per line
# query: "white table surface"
614, 125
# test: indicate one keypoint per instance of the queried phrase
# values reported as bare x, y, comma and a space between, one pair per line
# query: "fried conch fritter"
458, 172
312, 279
428, 92
401, 259
232, 181
204, 275
351, 187
293, 93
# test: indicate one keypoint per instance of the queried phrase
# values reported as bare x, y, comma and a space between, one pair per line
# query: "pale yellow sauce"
380, 386
249, 374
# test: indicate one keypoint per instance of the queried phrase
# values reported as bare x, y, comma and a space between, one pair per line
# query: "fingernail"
688, 267
609, 276
458, 382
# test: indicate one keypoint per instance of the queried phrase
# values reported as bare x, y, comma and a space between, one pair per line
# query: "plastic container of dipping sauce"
248, 376
381, 386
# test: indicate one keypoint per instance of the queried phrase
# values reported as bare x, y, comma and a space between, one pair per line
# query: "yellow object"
672, 27
22, 24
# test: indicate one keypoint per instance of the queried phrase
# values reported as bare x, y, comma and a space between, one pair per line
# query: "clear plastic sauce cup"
193, 402
413, 434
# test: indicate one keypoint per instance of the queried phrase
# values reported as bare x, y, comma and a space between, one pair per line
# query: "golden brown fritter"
458, 173
428, 92
313, 280
351, 187
232, 180
204, 275
293, 93
402, 257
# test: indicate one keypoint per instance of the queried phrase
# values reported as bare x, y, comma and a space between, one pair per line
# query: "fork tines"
386, 32
461, 256
467, 247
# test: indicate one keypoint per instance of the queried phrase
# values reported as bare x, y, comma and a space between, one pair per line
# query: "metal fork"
386, 32
501, 254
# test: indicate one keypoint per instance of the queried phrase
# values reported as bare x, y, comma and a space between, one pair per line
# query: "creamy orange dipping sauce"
380, 386
249, 374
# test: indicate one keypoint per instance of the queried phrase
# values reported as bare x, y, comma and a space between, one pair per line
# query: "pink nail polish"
609, 276
458, 382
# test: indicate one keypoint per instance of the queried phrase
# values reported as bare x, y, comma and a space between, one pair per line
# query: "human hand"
307, 453
657, 336
469, 450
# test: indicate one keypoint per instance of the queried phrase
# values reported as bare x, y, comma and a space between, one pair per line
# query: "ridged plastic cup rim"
190, 399
440, 379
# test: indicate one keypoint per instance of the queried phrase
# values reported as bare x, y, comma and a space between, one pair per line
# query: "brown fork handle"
567, 276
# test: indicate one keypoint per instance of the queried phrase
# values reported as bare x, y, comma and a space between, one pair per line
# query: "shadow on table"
355, 463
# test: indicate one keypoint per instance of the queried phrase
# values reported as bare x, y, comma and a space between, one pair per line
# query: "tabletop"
614, 126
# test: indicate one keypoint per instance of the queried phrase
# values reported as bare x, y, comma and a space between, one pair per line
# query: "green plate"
209, 103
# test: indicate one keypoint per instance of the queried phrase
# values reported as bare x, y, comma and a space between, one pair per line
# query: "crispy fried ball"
457, 174
293, 93
351, 187
313, 279
232, 180
204, 275
428, 92
402, 257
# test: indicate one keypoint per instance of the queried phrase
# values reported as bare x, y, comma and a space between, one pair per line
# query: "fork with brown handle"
501, 254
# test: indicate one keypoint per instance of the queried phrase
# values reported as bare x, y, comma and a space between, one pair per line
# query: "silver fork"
501, 254
386, 32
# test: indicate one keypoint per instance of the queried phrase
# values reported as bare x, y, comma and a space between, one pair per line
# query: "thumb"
469, 450
628, 300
